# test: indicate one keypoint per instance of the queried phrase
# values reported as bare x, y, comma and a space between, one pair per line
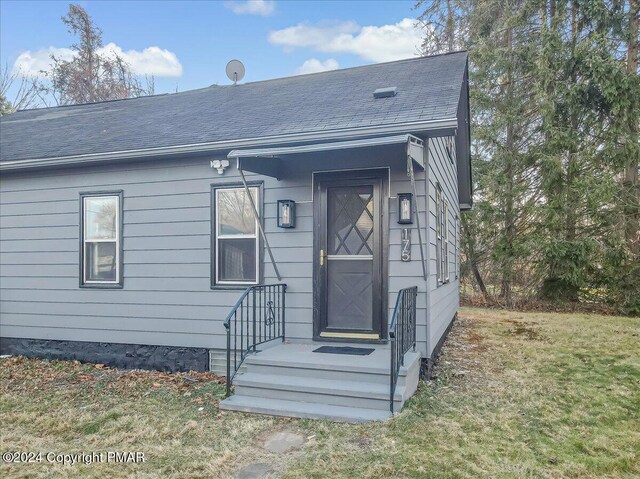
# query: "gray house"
299, 235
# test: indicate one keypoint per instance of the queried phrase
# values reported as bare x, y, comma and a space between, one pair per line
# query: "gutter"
14, 165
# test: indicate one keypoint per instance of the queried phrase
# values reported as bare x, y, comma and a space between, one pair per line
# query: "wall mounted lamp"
405, 208
286, 214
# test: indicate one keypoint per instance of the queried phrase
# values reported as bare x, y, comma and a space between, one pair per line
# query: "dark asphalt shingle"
428, 89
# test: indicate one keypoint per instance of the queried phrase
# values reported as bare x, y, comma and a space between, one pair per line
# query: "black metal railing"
402, 334
256, 318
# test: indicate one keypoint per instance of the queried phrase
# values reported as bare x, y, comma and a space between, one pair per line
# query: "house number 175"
405, 253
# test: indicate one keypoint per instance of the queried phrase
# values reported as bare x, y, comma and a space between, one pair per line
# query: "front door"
348, 265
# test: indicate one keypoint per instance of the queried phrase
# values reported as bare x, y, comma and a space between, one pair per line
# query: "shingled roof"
428, 88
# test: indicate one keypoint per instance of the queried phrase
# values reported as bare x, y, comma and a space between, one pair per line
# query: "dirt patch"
465, 337
476, 342
461, 362
362, 442
523, 329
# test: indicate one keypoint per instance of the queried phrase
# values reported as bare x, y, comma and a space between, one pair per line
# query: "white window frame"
445, 239
219, 236
442, 237
118, 239
438, 234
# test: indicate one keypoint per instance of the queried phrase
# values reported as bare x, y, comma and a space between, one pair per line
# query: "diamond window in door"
350, 220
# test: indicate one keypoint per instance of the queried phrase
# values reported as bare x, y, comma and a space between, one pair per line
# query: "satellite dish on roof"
235, 71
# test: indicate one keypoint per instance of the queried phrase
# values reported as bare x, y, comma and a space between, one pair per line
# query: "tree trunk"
565, 196
572, 154
479, 281
630, 184
508, 232
472, 256
450, 28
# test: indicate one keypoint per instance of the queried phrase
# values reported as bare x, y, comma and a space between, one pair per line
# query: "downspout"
257, 217
427, 179
415, 207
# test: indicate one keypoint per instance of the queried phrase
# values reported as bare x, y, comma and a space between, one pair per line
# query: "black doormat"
344, 350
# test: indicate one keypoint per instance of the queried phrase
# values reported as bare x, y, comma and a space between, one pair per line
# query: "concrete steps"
291, 380
322, 391
282, 407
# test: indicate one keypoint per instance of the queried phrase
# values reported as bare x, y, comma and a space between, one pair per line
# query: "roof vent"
385, 92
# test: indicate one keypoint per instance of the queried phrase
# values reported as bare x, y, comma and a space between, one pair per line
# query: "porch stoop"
291, 380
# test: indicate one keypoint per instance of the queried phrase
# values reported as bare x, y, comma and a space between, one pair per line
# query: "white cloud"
319, 37
313, 65
32, 63
375, 43
150, 61
252, 7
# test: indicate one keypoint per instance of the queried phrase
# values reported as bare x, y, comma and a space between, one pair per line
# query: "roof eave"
210, 147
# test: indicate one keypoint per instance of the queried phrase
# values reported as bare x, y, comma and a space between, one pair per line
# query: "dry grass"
516, 395
68, 407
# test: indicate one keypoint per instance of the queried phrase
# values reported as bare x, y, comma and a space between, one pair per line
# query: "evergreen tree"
555, 102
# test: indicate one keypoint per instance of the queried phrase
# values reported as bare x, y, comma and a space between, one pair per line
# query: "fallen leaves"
18, 373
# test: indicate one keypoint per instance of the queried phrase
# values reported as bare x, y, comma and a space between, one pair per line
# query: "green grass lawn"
516, 395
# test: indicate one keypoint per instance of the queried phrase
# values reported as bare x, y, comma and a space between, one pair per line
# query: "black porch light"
405, 208
286, 214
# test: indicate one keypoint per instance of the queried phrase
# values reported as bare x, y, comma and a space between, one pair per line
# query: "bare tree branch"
26, 94
92, 75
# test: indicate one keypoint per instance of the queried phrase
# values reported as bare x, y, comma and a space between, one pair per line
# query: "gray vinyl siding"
404, 275
166, 298
444, 299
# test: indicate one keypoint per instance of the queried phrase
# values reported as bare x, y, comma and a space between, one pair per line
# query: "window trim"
442, 238
446, 252
438, 234
213, 231
456, 239
119, 283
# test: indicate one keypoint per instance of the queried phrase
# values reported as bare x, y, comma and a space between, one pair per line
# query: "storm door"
348, 286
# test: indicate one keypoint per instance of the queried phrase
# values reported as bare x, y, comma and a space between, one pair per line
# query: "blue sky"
186, 45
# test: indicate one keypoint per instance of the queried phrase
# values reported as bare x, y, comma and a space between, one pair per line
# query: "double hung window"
442, 237
101, 250
236, 244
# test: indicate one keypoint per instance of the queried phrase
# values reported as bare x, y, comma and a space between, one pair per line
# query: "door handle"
323, 255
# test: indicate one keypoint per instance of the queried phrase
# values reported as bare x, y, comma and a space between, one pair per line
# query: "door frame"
319, 279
